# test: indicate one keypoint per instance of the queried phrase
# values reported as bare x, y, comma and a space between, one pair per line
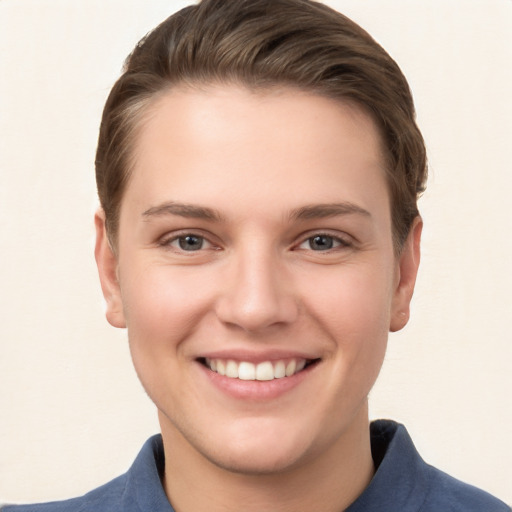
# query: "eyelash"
177, 238
336, 242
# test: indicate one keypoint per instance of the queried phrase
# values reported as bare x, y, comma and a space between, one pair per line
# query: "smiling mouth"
264, 371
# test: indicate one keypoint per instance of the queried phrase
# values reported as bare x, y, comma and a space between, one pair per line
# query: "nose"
256, 293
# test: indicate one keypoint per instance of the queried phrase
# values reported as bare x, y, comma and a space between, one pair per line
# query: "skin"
249, 175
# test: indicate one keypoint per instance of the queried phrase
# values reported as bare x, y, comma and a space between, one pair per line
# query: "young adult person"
258, 169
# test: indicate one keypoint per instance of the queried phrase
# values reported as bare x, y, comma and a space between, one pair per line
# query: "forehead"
231, 144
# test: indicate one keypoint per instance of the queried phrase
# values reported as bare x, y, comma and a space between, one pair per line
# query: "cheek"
164, 307
163, 304
351, 300
353, 310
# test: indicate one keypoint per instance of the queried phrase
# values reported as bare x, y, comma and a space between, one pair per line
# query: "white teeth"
290, 368
266, 370
221, 367
279, 370
300, 365
232, 370
246, 371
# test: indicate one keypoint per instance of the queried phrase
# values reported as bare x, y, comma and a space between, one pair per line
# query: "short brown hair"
261, 44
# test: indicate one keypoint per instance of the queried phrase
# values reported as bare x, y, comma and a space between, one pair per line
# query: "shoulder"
404, 481
451, 495
106, 497
138, 489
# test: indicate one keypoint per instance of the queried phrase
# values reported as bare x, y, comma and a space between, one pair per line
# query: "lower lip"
257, 390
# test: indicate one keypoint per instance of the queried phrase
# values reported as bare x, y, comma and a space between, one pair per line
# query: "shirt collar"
144, 491
400, 482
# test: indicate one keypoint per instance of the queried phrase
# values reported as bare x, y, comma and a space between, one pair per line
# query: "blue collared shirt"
403, 482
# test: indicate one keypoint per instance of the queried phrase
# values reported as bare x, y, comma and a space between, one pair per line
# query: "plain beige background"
73, 414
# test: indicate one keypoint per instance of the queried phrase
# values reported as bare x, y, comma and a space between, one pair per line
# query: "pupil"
190, 243
322, 242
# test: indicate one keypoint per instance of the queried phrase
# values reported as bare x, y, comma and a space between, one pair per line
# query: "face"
255, 272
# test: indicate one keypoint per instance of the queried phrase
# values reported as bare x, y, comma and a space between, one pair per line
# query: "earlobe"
408, 264
106, 260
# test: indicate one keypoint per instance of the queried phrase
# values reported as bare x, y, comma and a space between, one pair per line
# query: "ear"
407, 270
106, 260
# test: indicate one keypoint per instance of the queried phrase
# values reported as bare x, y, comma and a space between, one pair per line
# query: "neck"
328, 482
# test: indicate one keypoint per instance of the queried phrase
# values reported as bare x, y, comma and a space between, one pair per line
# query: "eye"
322, 242
188, 242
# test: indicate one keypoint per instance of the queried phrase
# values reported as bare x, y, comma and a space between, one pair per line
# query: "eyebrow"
183, 210
322, 211
308, 212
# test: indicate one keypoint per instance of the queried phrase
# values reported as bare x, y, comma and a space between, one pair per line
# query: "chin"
257, 448
258, 460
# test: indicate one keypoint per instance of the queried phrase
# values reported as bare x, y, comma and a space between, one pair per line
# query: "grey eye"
191, 242
321, 242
